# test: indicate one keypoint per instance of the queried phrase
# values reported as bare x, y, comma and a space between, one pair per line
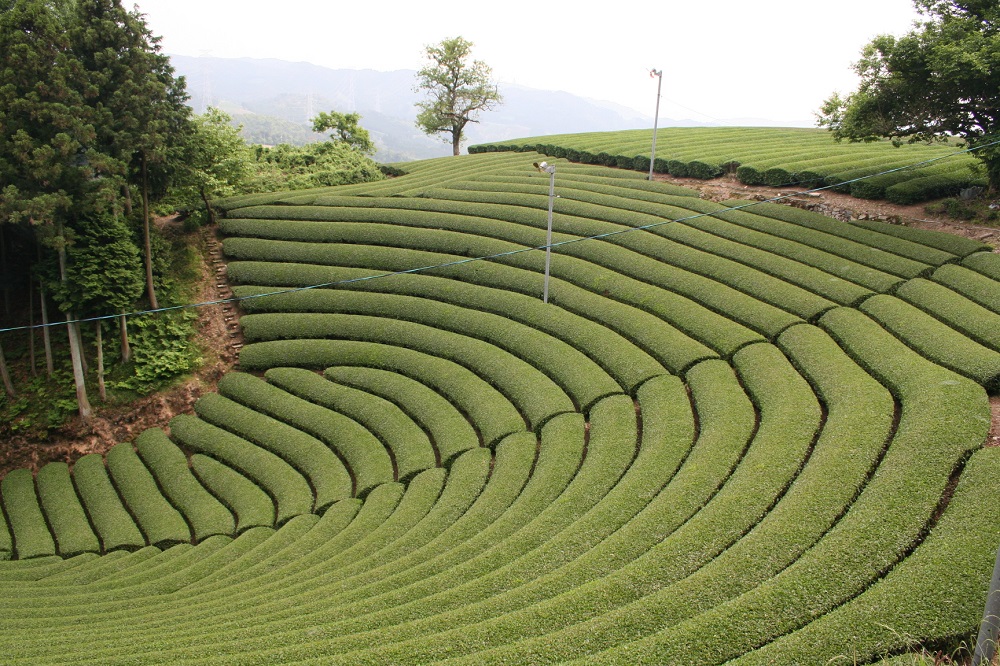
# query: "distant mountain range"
274, 100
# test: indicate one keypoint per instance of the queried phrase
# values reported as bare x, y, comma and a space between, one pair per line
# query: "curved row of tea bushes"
206, 515
250, 505
977, 287
778, 157
114, 525
27, 523
289, 490
954, 310
447, 427
160, 522
329, 480
534, 392
936, 341
366, 457
63, 511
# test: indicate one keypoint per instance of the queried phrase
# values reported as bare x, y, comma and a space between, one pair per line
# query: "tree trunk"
46, 333
126, 349
147, 244
75, 349
456, 142
127, 192
8, 386
79, 341
76, 355
208, 206
100, 364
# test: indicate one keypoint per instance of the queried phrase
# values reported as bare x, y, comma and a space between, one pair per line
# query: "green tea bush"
112, 522
162, 524
168, 464
251, 506
27, 523
677, 168
290, 491
300, 405
328, 478
63, 511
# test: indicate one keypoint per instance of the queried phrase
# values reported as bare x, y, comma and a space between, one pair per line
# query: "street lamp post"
656, 118
550, 169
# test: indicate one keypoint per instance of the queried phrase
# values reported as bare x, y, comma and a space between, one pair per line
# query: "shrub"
777, 177
703, 170
677, 168
640, 163
115, 527
749, 175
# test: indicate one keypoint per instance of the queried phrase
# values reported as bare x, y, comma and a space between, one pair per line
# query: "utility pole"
656, 118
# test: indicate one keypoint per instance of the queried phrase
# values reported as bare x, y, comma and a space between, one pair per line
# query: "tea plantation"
747, 436
778, 157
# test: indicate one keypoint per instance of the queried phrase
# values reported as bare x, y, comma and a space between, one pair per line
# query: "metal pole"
656, 118
548, 238
986, 642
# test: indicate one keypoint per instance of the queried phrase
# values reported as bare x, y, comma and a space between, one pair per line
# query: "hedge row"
935, 340
168, 464
251, 506
777, 158
970, 283
984, 262
922, 599
921, 256
286, 486
278, 340
943, 418
63, 511
32, 537
319, 466
288, 398
113, 523
447, 426
376, 422
162, 524
956, 311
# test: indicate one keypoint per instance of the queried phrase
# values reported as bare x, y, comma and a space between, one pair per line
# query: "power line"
500, 255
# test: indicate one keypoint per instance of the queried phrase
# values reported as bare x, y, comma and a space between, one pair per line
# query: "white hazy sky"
721, 59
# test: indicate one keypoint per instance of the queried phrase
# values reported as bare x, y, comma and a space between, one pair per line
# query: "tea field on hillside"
738, 433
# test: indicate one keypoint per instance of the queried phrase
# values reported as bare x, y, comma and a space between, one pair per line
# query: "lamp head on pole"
653, 73
545, 167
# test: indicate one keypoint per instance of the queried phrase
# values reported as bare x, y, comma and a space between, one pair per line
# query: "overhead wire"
490, 257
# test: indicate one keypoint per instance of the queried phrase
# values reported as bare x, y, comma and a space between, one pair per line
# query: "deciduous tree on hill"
942, 79
458, 90
345, 130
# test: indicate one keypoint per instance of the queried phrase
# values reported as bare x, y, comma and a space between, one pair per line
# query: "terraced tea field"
733, 436
779, 157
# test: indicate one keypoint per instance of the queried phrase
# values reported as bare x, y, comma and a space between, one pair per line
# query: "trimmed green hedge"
168, 464
364, 456
378, 423
290, 491
162, 524
936, 341
27, 523
113, 523
328, 478
251, 506
63, 511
